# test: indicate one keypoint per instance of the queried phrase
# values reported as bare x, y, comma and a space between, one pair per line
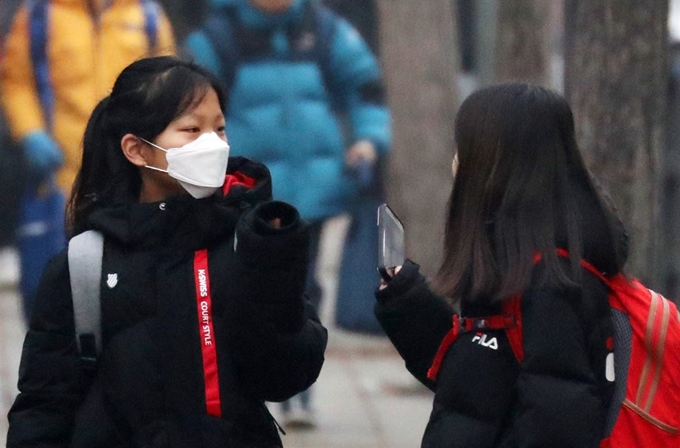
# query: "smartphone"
391, 251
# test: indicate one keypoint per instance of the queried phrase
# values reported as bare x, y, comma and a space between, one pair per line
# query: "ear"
134, 149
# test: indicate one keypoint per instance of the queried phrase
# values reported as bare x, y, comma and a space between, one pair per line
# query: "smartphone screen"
391, 251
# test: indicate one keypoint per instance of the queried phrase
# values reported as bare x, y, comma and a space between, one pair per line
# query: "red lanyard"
206, 331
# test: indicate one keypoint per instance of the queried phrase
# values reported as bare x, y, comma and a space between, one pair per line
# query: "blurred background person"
61, 57
306, 99
352, 307
12, 177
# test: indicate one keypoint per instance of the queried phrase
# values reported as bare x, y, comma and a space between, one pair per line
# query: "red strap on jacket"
449, 339
205, 329
510, 321
513, 307
466, 325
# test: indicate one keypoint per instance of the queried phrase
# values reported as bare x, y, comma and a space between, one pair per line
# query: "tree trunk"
419, 62
616, 81
487, 29
522, 51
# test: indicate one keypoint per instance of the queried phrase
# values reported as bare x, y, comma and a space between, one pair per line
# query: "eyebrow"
199, 116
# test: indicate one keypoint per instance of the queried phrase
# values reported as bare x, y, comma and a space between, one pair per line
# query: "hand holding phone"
391, 247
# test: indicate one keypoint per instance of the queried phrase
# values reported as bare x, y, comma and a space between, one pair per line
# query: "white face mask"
199, 166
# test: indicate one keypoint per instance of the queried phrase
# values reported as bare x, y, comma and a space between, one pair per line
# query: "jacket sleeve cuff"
259, 242
409, 275
372, 122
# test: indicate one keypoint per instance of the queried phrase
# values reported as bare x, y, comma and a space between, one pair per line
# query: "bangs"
172, 94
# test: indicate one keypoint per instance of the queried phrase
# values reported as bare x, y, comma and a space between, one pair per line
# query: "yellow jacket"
89, 43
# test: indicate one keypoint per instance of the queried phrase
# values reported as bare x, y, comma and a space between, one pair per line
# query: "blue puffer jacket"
283, 106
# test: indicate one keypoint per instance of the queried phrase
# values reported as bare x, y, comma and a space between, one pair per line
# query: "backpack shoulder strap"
38, 23
513, 307
85, 254
220, 31
151, 16
224, 31
326, 24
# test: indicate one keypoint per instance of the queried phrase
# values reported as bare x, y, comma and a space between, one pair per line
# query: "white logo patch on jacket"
481, 339
112, 280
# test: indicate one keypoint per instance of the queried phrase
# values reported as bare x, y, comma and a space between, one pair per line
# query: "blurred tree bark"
419, 58
670, 247
522, 52
616, 81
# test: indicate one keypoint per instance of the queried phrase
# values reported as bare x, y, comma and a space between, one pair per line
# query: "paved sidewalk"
364, 398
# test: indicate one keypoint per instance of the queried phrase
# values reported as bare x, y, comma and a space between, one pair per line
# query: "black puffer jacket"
557, 397
150, 389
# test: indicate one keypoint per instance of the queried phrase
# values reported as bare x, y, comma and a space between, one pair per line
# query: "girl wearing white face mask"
198, 166
203, 317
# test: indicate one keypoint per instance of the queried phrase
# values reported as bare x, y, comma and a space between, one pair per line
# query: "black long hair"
516, 188
146, 97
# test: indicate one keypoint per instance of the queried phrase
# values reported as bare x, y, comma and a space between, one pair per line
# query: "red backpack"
647, 353
645, 409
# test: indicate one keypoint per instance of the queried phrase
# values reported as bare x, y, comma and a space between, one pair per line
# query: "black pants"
313, 289
12, 185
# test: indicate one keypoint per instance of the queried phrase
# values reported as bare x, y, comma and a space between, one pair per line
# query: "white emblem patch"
112, 280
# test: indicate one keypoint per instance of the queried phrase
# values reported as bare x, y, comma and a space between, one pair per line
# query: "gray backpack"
85, 254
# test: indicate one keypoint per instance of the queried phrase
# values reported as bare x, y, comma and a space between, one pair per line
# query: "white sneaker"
9, 267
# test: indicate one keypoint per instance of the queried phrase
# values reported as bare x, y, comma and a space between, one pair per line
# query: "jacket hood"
253, 17
181, 222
